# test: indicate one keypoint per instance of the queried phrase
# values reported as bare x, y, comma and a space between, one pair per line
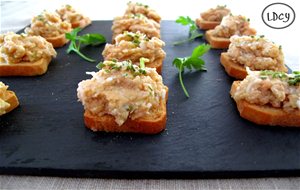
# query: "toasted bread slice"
152, 124
216, 42
82, 23
265, 115
26, 68
12, 99
206, 25
157, 64
57, 41
232, 68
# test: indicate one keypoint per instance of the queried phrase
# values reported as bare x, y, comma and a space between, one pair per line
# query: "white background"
17, 14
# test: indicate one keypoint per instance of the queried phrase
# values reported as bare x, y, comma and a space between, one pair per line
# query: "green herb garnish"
136, 16
87, 39
142, 65
135, 70
40, 18
69, 7
100, 65
192, 62
291, 79
193, 32
135, 38
142, 5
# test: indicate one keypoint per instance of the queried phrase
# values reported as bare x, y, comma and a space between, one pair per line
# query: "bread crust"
57, 41
157, 64
216, 42
265, 115
12, 99
206, 25
25, 68
149, 125
232, 68
235, 69
82, 23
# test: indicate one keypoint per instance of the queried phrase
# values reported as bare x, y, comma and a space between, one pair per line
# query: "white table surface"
17, 14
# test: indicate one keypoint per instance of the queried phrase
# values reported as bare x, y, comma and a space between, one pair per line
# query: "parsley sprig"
193, 32
192, 62
87, 39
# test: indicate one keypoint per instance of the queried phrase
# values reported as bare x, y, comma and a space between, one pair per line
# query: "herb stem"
181, 82
191, 62
83, 56
87, 39
193, 36
181, 42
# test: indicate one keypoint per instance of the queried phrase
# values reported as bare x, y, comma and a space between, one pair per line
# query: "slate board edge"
148, 175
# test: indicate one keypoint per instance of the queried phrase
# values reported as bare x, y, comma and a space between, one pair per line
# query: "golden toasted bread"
206, 25
235, 69
216, 42
265, 115
82, 23
25, 68
12, 99
157, 64
232, 68
152, 124
57, 41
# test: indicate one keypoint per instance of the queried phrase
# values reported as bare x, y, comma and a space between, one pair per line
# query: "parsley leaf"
87, 39
193, 32
192, 62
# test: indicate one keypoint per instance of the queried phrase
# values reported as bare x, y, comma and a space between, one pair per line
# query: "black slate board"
205, 137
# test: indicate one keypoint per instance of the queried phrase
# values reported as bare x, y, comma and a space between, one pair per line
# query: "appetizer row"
245, 48
127, 94
54, 26
267, 95
29, 53
221, 25
136, 34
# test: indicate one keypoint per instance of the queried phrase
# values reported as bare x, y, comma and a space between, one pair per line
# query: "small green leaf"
92, 39
187, 21
69, 36
192, 62
183, 20
200, 50
193, 32
87, 39
73, 34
